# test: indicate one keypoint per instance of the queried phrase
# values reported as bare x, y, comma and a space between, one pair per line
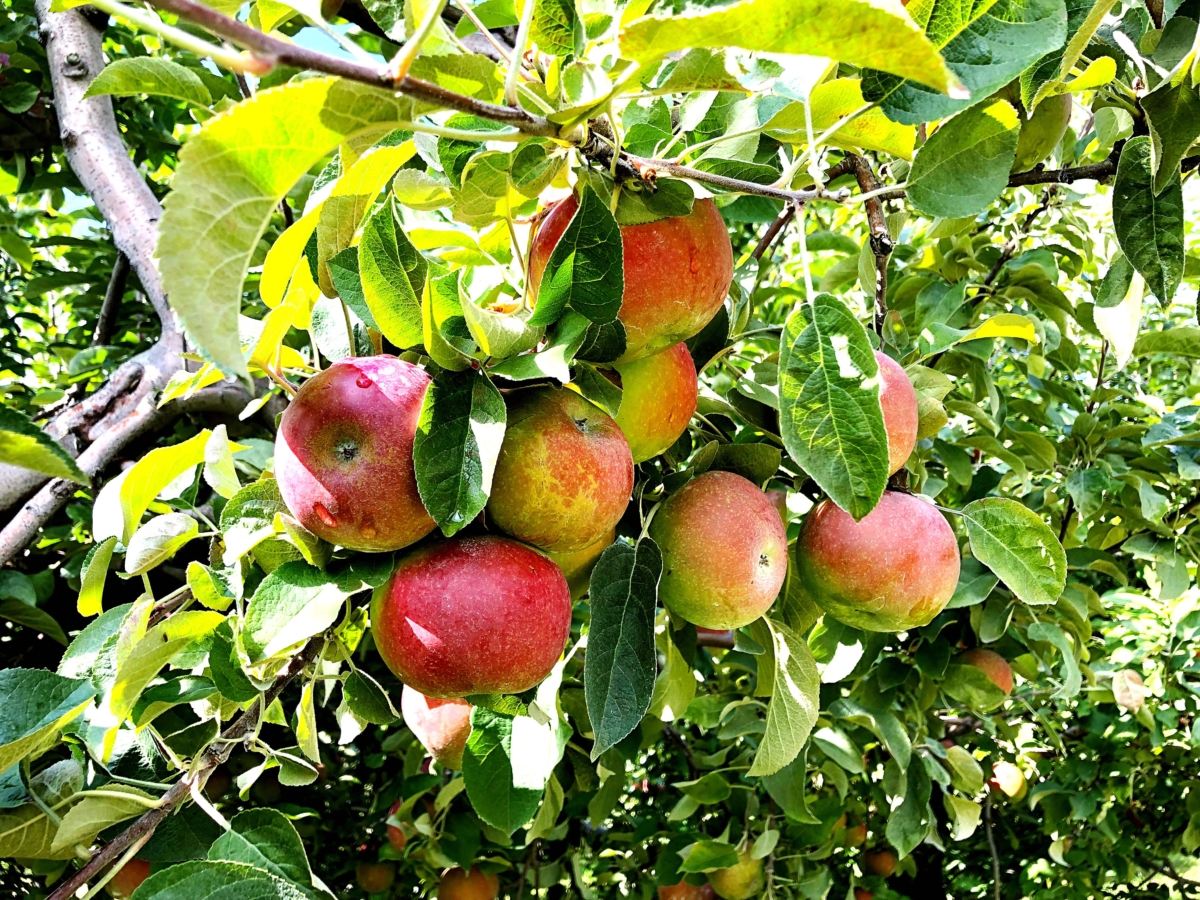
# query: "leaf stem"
518, 54
403, 60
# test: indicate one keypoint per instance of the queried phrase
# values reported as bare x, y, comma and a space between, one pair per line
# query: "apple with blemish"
442, 726
658, 399
343, 455
677, 273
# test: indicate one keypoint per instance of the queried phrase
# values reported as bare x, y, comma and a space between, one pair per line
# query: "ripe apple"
565, 473
993, 665
577, 565
657, 401
778, 498
442, 726
881, 862
1008, 779
685, 891
343, 455
127, 879
457, 884
677, 273
863, 894
894, 570
741, 880
394, 832
375, 877
474, 615
724, 551
898, 398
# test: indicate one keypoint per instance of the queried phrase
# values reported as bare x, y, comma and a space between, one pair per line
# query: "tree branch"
882, 244
112, 300
216, 754
991, 839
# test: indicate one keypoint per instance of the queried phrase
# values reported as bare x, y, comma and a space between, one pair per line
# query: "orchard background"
208, 206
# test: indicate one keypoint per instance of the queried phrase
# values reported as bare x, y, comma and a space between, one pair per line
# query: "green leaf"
294, 603
91, 815
554, 359
1072, 679
1173, 113
676, 685
393, 275
1017, 544
225, 668
483, 197
708, 856
829, 413
150, 75
267, 840
36, 705
158, 540
25, 445
964, 816
965, 772
754, 462
230, 179
795, 697
158, 646
586, 268
499, 334
248, 518
885, 725
964, 165
1183, 340
210, 880
864, 34
1115, 284
488, 773
26, 831
554, 26
121, 503
368, 700
219, 471
210, 587
620, 666
1045, 78
1149, 227
970, 686
909, 822
158, 698
32, 617
456, 446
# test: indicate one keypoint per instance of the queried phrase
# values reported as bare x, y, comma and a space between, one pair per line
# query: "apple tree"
577, 448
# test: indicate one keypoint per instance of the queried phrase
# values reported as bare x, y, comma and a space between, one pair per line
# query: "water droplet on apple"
363, 381
325, 515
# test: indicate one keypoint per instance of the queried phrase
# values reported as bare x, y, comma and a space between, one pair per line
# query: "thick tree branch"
214, 756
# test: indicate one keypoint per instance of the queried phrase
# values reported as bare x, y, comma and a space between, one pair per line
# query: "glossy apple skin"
127, 879
993, 665
577, 565
442, 726
879, 862
476, 615
565, 473
724, 551
457, 884
894, 570
658, 400
677, 273
343, 455
685, 891
898, 398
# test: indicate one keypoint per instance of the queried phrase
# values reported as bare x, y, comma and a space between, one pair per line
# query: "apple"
343, 455
658, 400
685, 891
740, 881
375, 877
457, 884
778, 498
442, 726
577, 565
677, 273
898, 398
715, 637
565, 473
472, 615
856, 835
863, 894
893, 571
724, 551
394, 832
1042, 132
993, 665
881, 862
1008, 779
127, 879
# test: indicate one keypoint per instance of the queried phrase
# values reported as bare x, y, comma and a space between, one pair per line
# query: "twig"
402, 62
214, 756
112, 300
776, 229
518, 54
1099, 377
991, 839
882, 244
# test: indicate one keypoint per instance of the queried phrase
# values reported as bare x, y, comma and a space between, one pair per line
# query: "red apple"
724, 551
863, 894
577, 565
343, 455
442, 726
993, 665
657, 401
900, 417
375, 877
778, 498
476, 615
127, 879
677, 273
894, 570
565, 473
394, 832
685, 891
881, 862
457, 884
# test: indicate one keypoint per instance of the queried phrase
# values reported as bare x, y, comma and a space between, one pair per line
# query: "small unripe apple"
457, 884
442, 726
375, 877
856, 835
677, 273
685, 891
565, 473
658, 399
127, 879
740, 881
1008, 779
724, 551
394, 832
1042, 132
991, 664
343, 455
476, 615
881, 862
898, 398
577, 565
894, 570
